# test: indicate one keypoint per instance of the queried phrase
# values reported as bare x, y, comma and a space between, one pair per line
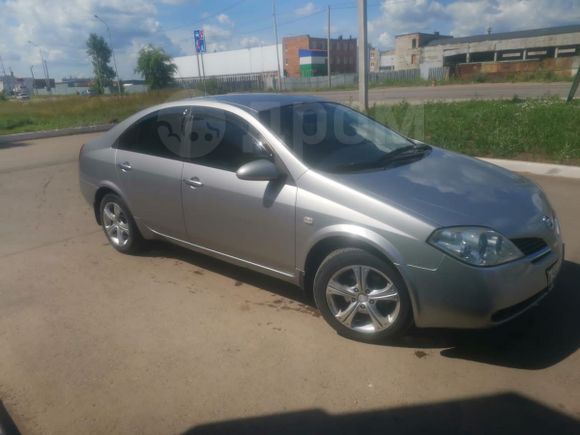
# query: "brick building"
342, 53
409, 48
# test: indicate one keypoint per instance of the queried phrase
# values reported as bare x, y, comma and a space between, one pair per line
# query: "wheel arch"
99, 194
362, 238
346, 236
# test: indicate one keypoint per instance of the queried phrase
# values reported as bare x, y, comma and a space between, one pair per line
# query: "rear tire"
362, 296
119, 226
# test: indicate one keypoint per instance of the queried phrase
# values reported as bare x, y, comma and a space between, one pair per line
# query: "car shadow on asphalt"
7, 426
540, 338
507, 413
238, 274
5, 144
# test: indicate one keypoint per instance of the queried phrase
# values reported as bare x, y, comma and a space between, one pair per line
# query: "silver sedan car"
384, 230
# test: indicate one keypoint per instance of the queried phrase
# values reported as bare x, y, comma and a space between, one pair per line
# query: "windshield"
332, 137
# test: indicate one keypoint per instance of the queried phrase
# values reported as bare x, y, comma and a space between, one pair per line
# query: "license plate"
552, 273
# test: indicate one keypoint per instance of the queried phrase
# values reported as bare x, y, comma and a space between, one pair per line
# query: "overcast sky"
61, 27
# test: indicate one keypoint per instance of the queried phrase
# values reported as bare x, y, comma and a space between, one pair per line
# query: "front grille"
530, 245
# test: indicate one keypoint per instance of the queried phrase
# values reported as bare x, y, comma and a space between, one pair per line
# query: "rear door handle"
125, 166
193, 182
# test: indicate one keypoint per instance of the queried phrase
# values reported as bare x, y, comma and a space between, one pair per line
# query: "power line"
213, 15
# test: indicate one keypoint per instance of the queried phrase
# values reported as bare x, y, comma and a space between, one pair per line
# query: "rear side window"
222, 140
159, 133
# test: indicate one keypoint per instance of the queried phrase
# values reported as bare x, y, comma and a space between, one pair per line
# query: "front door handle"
193, 182
125, 166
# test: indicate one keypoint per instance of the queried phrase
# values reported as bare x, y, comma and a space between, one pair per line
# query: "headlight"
475, 245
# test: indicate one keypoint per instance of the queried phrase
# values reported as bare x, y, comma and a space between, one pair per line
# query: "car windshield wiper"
403, 153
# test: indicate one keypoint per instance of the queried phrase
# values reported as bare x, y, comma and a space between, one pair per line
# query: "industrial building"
342, 55
554, 48
12, 85
232, 63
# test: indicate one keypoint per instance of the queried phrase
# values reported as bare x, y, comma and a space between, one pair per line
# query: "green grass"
50, 113
536, 130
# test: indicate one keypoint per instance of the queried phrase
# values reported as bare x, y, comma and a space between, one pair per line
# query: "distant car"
385, 230
23, 96
89, 93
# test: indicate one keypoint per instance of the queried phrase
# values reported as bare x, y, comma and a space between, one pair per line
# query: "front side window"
332, 137
159, 133
222, 140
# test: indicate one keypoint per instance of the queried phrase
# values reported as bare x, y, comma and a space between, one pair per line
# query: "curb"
546, 169
54, 133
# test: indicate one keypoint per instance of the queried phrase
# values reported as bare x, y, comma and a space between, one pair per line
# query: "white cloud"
405, 17
224, 19
62, 28
308, 9
251, 41
505, 15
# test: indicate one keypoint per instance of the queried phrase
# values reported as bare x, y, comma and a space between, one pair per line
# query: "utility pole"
33, 84
45, 69
112, 52
363, 90
328, 50
276, 36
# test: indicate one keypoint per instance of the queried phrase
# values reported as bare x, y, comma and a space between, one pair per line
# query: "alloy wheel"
363, 299
116, 224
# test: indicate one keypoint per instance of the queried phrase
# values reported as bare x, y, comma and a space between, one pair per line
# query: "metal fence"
341, 80
268, 81
231, 83
439, 74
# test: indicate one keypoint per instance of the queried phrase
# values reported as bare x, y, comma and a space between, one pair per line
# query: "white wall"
242, 61
388, 59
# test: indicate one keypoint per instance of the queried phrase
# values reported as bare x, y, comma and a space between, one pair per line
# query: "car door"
250, 220
149, 170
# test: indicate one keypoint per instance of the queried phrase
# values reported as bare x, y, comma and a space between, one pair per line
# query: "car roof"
258, 102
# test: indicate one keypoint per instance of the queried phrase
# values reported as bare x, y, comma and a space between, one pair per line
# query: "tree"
100, 53
155, 66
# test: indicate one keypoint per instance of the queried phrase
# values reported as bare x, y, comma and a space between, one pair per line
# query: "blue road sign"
199, 41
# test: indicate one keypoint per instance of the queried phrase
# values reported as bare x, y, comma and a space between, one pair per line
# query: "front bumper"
457, 295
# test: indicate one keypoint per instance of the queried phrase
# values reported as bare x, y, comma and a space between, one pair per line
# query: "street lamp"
44, 65
112, 51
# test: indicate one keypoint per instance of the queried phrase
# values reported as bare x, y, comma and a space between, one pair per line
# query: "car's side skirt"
286, 276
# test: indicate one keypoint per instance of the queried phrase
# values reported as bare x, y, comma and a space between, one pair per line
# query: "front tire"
119, 225
362, 296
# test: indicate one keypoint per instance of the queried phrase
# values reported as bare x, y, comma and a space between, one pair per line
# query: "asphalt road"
483, 91
92, 341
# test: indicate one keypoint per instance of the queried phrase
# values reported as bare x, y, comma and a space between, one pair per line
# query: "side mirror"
259, 170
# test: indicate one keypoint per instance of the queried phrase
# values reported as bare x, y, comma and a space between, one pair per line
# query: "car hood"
448, 189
